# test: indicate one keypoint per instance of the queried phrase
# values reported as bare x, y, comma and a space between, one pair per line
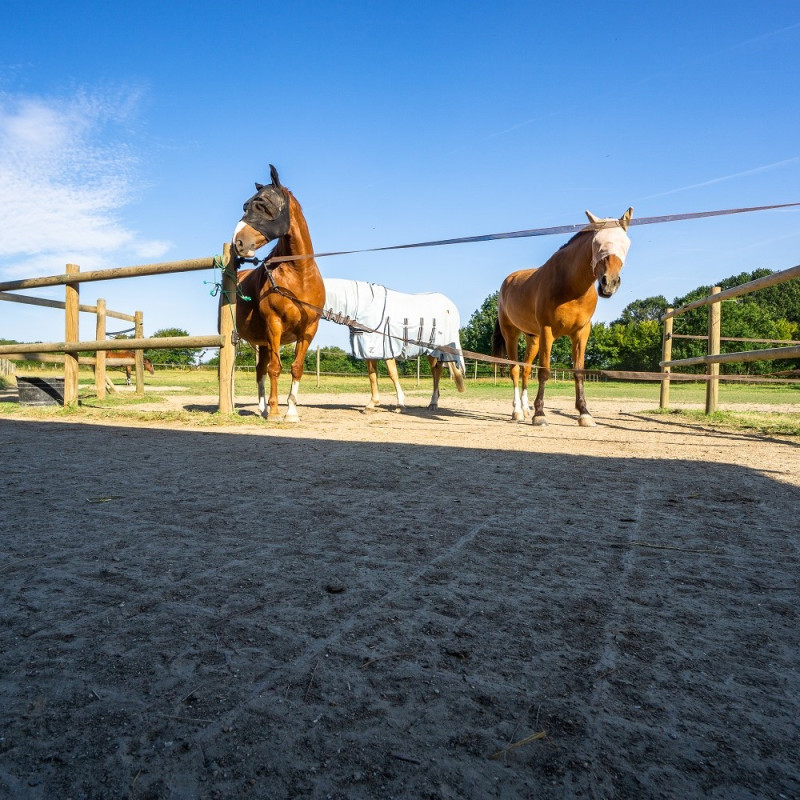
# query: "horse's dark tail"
498, 342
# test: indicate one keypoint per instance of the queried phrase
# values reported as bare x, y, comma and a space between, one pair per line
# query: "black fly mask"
267, 211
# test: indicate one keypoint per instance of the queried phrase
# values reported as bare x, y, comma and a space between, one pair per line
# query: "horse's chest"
571, 315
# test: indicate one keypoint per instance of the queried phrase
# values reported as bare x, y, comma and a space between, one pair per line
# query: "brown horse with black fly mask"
278, 303
558, 299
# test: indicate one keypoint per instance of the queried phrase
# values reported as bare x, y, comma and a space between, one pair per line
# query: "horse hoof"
399, 409
433, 407
586, 421
291, 418
518, 416
540, 421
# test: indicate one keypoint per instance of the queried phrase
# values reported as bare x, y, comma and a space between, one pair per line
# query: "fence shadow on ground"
189, 613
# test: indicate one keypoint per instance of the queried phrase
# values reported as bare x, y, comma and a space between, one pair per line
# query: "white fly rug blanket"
399, 320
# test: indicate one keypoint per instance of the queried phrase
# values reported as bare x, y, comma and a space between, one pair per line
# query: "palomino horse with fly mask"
278, 304
558, 299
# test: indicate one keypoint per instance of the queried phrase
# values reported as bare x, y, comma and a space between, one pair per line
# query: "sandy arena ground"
427, 605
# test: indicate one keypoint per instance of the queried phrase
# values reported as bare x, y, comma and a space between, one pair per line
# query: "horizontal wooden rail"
152, 343
55, 358
40, 301
735, 339
164, 268
735, 291
732, 358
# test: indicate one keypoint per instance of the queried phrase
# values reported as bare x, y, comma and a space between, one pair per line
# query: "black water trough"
41, 391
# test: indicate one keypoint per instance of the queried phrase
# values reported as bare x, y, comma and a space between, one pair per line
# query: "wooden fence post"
100, 355
227, 329
712, 386
71, 334
418, 358
138, 355
666, 355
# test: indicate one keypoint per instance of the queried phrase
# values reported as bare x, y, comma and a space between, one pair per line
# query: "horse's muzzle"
606, 286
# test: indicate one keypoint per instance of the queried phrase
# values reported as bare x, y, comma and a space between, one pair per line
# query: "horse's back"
398, 320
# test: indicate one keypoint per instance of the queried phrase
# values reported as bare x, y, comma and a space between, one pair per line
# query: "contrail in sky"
755, 171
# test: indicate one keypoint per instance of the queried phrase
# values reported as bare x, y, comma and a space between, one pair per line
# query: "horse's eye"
244, 207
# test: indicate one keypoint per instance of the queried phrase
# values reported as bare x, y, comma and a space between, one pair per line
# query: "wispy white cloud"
66, 173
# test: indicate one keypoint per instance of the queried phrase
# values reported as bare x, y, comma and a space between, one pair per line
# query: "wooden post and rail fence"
72, 346
714, 358
100, 362
225, 338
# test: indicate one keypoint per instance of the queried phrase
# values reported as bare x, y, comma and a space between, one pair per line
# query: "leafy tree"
651, 308
477, 334
772, 313
182, 356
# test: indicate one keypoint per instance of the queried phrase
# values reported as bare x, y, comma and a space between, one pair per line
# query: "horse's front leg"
578, 359
545, 347
374, 394
436, 371
391, 368
127, 376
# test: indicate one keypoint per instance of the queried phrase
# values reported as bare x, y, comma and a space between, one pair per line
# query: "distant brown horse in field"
148, 364
559, 299
281, 303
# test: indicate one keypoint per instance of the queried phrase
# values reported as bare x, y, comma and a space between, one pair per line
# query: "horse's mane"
579, 233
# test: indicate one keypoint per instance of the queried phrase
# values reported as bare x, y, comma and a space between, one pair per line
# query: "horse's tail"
498, 342
457, 374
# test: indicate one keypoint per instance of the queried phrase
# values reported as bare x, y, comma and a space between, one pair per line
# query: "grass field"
682, 395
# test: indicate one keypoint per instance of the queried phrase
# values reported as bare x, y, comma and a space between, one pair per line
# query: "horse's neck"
298, 240
573, 265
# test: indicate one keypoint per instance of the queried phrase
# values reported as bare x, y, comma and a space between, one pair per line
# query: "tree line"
631, 343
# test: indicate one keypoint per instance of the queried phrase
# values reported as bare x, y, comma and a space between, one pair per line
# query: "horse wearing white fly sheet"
400, 326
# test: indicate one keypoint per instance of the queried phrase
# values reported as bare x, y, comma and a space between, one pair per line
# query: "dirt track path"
375, 605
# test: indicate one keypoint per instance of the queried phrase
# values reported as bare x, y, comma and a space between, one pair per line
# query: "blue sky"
132, 133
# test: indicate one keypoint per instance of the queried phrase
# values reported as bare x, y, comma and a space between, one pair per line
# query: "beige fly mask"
610, 237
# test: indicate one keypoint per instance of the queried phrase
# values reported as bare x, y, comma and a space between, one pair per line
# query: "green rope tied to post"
219, 264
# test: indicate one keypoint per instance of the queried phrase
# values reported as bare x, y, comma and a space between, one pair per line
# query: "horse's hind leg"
391, 366
578, 359
511, 336
531, 350
505, 338
436, 372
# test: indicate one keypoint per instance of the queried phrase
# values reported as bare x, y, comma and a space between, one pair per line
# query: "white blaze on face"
240, 225
610, 241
